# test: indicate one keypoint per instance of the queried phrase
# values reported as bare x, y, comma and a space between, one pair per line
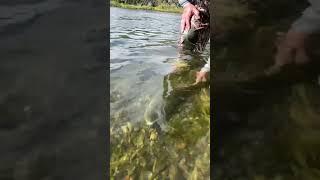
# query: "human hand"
291, 49
201, 76
188, 11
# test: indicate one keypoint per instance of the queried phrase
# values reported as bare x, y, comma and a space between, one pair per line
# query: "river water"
147, 71
141, 43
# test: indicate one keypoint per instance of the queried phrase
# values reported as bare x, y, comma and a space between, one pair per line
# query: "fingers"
295, 40
186, 17
301, 56
197, 82
204, 79
182, 25
196, 13
187, 23
284, 55
279, 39
198, 79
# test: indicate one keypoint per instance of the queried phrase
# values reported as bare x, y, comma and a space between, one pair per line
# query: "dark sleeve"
184, 2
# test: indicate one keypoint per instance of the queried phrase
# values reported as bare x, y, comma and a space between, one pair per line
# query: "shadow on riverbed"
242, 97
182, 88
265, 125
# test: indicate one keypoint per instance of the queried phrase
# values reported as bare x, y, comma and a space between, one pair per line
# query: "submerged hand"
188, 11
201, 76
292, 49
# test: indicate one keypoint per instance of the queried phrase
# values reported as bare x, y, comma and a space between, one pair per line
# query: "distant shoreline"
160, 8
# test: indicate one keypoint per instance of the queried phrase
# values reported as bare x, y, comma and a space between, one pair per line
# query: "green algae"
302, 133
183, 152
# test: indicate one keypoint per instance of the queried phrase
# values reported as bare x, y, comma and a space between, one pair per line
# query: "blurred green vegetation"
182, 151
279, 137
159, 5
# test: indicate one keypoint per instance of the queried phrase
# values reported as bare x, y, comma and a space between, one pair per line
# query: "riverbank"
161, 7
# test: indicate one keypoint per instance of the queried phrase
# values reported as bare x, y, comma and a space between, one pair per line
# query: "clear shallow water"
140, 44
148, 76
143, 48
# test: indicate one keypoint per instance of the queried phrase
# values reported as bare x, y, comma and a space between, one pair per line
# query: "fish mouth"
189, 39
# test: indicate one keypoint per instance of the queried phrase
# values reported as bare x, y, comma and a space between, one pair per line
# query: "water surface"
157, 121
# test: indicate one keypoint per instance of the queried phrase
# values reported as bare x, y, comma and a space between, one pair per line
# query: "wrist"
187, 4
184, 3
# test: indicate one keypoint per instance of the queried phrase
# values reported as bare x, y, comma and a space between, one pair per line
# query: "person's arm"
292, 48
188, 11
201, 76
